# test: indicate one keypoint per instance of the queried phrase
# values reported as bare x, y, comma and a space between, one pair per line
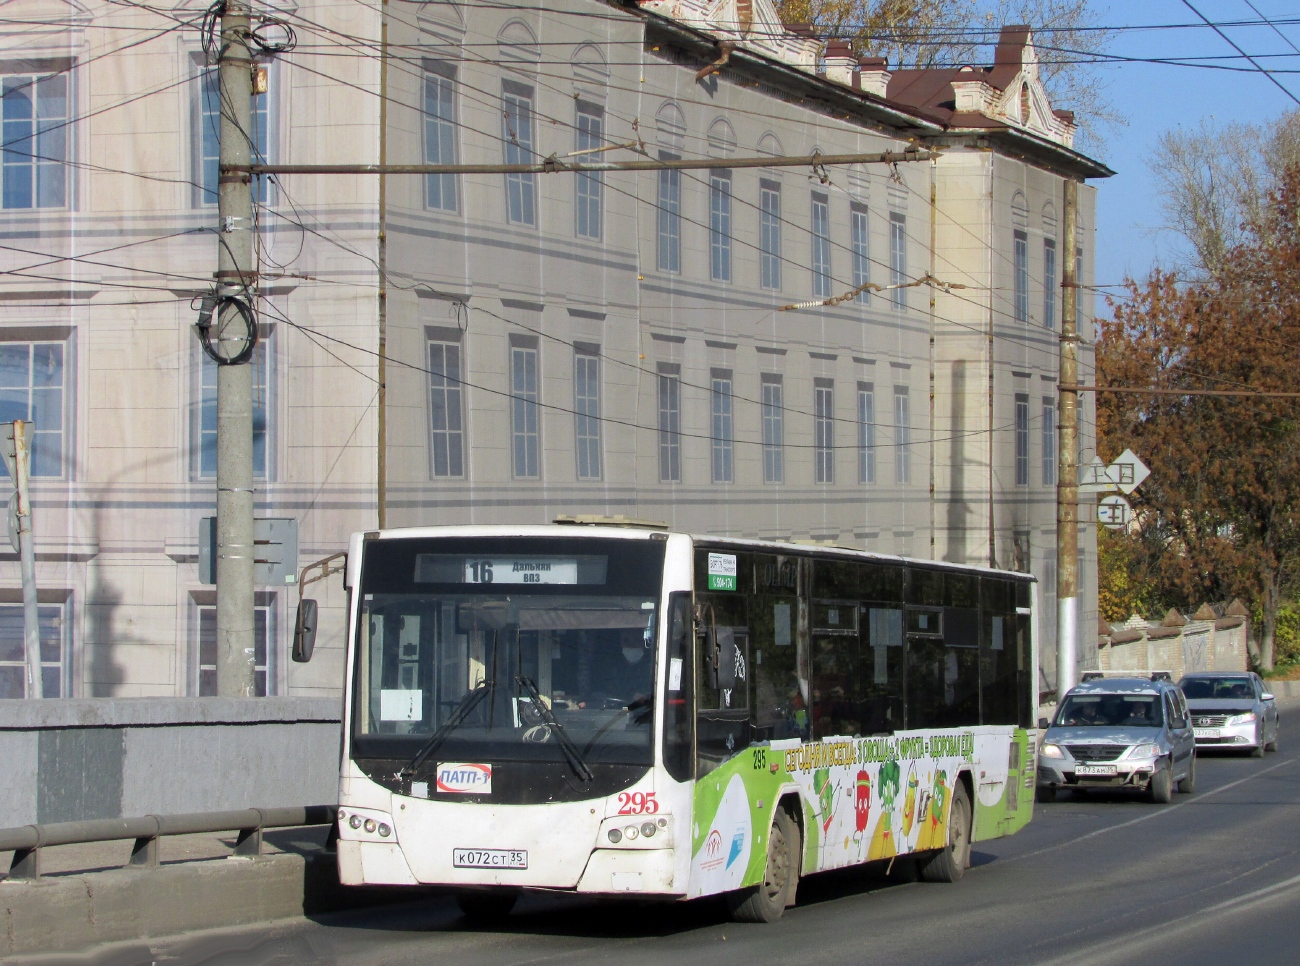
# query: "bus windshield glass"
508, 649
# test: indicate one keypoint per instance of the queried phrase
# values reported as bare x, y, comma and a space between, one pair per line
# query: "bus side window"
1000, 674
780, 709
880, 589
679, 714
722, 725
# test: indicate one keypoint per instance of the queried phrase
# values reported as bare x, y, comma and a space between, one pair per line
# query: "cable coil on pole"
242, 344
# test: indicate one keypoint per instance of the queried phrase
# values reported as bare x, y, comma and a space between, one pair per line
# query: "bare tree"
936, 33
1215, 181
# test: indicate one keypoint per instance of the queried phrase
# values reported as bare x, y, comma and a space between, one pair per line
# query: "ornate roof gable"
752, 24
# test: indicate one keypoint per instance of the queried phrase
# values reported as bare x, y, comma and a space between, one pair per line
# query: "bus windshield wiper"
458, 714
544, 712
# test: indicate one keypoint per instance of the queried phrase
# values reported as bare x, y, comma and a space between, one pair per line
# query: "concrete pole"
27, 559
1067, 484
235, 276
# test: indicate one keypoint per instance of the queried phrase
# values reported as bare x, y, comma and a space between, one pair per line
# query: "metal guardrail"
26, 841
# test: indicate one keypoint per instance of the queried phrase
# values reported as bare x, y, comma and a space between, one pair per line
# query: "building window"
866, 433
586, 410
769, 232
670, 217
670, 423
773, 429
1021, 243
51, 619
440, 134
861, 253
209, 138
207, 668
898, 259
722, 429
589, 193
521, 189
902, 435
33, 388
824, 429
525, 431
262, 409
1022, 439
36, 131
720, 225
1049, 283
1049, 442
446, 409
821, 246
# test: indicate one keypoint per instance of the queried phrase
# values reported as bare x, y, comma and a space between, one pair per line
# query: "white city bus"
609, 710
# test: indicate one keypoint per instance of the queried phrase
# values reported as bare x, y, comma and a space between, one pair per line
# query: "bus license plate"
1207, 732
1095, 771
489, 858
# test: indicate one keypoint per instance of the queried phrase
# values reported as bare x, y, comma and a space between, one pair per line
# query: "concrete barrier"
75, 760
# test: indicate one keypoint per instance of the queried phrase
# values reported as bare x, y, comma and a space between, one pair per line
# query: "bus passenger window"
835, 703
1000, 678
882, 669
780, 709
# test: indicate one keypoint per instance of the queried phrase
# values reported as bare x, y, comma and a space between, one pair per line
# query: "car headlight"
1241, 719
1051, 751
1148, 749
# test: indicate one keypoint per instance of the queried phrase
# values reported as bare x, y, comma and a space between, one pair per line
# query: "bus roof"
642, 532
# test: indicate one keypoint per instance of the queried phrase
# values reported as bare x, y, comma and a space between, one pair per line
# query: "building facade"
861, 354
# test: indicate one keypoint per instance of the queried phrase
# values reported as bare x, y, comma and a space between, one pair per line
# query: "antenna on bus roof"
596, 520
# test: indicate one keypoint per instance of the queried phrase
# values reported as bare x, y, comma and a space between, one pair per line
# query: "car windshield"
473, 643
1111, 710
1228, 688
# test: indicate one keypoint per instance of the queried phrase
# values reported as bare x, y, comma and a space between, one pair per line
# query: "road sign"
1129, 471
1114, 512
275, 548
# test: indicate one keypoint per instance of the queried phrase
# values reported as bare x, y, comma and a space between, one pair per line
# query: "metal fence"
26, 841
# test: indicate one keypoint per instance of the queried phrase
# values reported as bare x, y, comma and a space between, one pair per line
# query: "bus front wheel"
765, 902
948, 864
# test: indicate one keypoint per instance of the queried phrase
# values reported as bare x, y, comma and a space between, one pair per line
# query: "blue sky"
1155, 98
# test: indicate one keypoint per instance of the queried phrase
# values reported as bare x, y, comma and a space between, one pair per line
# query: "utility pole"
17, 456
236, 281
1067, 484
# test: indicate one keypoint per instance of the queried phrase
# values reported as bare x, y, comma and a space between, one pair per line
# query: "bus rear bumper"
373, 863
622, 871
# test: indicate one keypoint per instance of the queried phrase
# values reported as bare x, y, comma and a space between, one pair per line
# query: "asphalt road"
1211, 878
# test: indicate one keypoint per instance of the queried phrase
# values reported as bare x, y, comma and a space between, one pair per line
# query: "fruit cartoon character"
909, 806
933, 835
862, 800
882, 843
825, 796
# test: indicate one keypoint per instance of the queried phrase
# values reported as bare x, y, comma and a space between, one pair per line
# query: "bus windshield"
508, 649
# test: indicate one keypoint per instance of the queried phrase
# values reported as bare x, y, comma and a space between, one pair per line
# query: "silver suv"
1119, 733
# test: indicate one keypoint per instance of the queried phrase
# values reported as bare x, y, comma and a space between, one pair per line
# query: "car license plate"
1207, 732
489, 858
1095, 771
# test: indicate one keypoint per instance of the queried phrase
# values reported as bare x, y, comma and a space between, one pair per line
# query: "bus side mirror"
304, 631
722, 658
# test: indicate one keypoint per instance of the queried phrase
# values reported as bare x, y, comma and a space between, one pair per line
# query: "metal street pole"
16, 449
235, 277
1067, 484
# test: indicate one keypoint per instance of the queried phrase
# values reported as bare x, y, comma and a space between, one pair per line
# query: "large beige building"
651, 343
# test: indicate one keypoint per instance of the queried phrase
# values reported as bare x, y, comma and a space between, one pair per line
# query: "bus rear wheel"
765, 902
948, 864
483, 908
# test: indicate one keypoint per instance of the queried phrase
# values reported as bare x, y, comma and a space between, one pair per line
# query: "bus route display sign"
722, 571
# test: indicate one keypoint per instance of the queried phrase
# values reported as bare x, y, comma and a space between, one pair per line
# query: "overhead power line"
1149, 390
1259, 67
557, 165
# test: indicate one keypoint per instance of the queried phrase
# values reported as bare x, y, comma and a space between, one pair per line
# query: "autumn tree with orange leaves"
1219, 516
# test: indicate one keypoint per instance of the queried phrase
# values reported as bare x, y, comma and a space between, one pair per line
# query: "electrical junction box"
275, 549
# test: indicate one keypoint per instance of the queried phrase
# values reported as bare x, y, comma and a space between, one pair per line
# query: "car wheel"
1161, 788
1188, 784
1258, 750
766, 901
1045, 794
1272, 745
484, 908
948, 864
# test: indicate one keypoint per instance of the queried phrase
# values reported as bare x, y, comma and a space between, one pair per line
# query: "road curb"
73, 912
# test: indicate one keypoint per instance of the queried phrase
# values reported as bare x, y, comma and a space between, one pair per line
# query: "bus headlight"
648, 829
370, 825
615, 836
384, 830
355, 821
